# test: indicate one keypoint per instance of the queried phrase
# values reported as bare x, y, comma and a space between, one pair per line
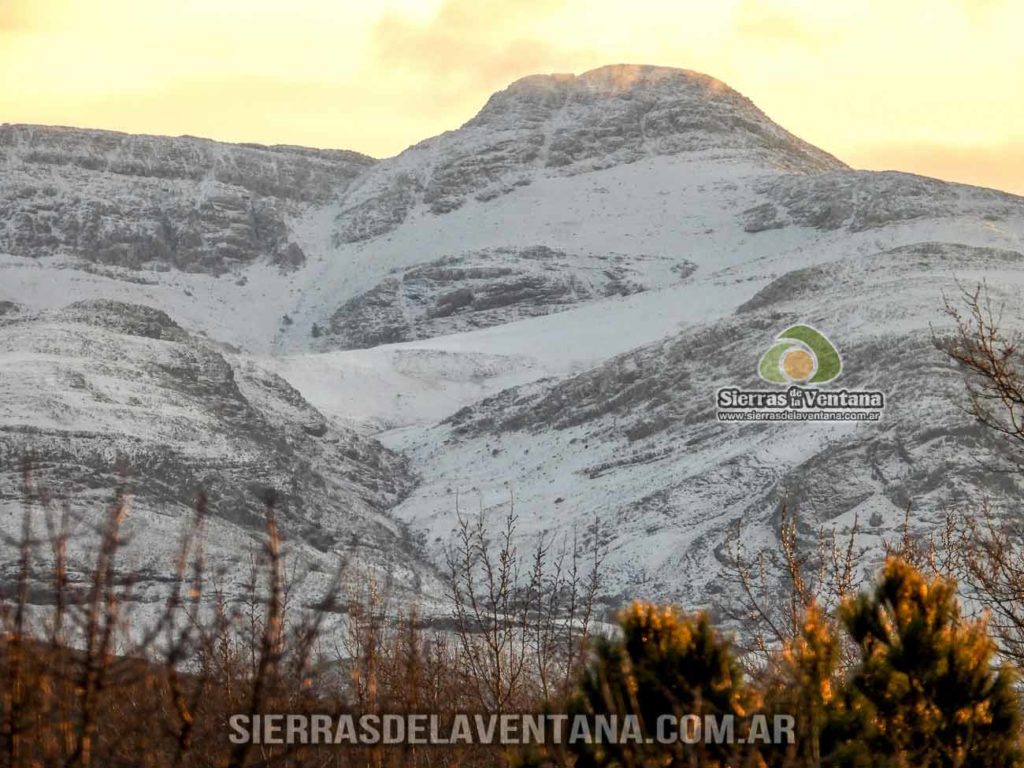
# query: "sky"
928, 86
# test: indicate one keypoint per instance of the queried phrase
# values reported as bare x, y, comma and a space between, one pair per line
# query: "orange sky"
931, 86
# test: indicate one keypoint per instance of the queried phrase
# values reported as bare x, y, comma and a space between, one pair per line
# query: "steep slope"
553, 162
101, 394
261, 246
730, 233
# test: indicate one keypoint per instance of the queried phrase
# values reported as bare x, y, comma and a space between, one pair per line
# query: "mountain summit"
566, 124
641, 110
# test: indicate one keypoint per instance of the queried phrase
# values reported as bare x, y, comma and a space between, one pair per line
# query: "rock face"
483, 289
859, 201
564, 124
146, 201
103, 394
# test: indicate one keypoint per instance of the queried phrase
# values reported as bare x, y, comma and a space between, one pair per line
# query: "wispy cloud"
473, 45
775, 24
14, 15
20, 16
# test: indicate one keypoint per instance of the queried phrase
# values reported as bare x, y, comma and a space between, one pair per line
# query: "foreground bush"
924, 689
664, 664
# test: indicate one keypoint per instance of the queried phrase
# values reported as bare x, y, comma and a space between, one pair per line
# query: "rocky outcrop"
481, 289
859, 201
158, 202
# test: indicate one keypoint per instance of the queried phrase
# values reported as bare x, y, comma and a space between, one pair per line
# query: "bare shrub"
84, 685
985, 550
85, 682
991, 361
779, 584
521, 624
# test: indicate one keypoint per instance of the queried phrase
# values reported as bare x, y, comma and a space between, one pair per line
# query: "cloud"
439, 71
464, 34
774, 24
18, 16
15, 15
473, 43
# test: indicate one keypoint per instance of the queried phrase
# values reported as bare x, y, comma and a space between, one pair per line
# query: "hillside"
540, 304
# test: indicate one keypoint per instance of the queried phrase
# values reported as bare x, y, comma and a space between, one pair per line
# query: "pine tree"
664, 663
806, 685
926, 691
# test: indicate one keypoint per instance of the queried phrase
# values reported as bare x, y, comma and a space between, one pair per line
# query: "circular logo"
800, 355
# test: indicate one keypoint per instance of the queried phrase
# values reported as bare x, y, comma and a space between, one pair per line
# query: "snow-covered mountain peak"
545, 126
652, 111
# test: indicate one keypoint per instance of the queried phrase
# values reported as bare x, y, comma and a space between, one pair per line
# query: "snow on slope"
667, 209
587, 394
668, 493
549, 125
100, 395
634, 443
668, 485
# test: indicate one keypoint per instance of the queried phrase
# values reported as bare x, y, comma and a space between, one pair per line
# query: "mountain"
135, 201
634, 443
538, 306
101, 395
566, 125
